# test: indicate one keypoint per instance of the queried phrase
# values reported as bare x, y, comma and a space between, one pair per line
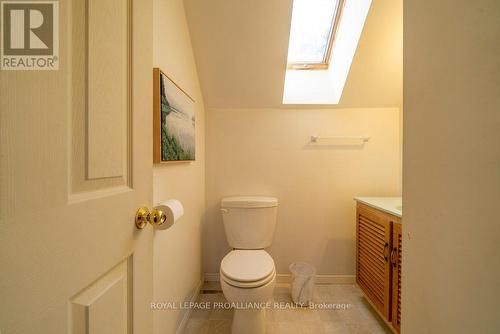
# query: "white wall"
177, 253
266, 152
451, 246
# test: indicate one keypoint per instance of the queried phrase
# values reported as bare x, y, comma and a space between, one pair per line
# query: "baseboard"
287, 278
211, 277
321, 279
187, 313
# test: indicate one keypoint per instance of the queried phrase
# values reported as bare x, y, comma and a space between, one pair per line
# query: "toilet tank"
249, 221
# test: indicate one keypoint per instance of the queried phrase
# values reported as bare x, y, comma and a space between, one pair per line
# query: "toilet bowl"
247, 279
247, 273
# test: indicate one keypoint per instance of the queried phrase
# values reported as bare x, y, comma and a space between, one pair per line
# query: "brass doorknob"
155, 217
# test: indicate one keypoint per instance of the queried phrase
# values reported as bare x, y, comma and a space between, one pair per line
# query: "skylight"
314, 24
311, 47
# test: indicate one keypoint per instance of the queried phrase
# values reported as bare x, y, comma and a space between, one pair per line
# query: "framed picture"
173, 121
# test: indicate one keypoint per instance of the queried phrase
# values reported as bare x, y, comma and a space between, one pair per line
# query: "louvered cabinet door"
373, 272
397, 239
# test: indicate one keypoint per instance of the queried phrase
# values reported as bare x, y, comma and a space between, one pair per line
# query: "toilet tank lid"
249, 202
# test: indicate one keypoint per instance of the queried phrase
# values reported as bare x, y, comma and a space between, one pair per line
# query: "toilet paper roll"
173, 210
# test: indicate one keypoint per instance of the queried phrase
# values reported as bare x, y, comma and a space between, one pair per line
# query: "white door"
76, 163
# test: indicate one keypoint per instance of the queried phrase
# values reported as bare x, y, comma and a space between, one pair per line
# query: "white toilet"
247, 273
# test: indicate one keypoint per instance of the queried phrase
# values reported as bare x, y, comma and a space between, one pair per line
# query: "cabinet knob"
394, 261
386, 249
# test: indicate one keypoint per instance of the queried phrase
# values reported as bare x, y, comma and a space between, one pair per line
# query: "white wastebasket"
303, 280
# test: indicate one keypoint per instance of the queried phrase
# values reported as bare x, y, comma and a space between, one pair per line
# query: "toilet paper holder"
155, 217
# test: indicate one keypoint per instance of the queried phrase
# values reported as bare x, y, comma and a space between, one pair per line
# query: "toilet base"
246, 319
249, 321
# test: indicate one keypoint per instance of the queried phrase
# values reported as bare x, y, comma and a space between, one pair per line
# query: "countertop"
391, 205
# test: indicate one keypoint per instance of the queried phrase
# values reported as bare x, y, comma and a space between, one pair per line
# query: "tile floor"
357, 318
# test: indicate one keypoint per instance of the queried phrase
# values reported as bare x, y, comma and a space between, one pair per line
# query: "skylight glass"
312, 22
323, 83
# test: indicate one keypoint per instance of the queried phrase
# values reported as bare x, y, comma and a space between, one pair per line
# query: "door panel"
105, 305
75, 166
373, 272
107, 88
101, 142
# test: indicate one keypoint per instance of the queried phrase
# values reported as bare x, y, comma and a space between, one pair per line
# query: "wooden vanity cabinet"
378, 261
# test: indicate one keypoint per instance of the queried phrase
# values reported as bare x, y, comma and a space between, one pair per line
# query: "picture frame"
174, 121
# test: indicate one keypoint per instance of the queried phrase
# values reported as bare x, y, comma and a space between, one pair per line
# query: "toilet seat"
249, 285
247, 268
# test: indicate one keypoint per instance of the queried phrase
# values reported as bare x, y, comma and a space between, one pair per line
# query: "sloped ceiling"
241, 48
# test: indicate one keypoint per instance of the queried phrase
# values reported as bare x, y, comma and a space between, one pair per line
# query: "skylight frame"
323, 65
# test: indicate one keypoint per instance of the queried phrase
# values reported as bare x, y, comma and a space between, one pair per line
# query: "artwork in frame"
173, 121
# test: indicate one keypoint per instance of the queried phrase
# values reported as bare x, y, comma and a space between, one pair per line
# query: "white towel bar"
315, 138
